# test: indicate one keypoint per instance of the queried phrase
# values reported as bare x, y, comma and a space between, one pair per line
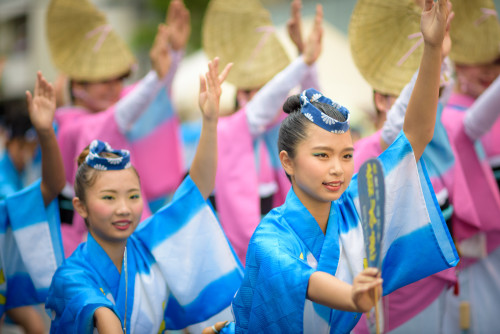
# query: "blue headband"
97, 162
320, 118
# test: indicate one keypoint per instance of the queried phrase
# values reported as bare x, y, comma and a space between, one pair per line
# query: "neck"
319, 210
115, 250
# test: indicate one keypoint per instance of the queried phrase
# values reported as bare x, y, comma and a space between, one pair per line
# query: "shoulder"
274, 236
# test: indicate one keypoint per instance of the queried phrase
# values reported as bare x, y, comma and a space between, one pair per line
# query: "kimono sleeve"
73, 299
194, 256
416, 242
33, 244
274, 271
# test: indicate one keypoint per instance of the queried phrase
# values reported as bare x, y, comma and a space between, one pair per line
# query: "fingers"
29, 101
318, 19
225, 72
428, 4
296, 8
203, 84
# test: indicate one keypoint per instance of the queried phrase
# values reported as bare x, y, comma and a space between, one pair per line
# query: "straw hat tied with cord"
386, 42
82, 43
241, 32
475, 32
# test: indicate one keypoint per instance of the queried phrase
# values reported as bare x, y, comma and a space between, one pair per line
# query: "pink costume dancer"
246, 138
248, 169
142, 117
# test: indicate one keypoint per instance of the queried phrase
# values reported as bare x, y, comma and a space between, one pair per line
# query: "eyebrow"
114, 191
326, 148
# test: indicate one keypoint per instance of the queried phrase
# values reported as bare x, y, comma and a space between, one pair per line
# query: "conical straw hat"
386, 43
82, 43
242, 32
475, 32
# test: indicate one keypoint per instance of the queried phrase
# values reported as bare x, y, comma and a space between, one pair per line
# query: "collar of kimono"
96, 161
320, 118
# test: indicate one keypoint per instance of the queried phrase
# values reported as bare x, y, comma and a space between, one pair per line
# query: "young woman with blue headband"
304, 266
175, 270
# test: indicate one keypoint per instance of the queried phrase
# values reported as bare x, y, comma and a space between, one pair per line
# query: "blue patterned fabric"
30, 247
288, 246
96, 161
180, 270
319, 118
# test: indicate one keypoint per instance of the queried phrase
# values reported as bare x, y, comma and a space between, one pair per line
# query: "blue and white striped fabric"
179, 269
30, 248
288, 246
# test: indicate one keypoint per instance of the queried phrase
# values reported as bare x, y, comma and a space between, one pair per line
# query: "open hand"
312, 48
210, 89
435, 21
363, 289
159, 55
42, 104
294, 25
179, 22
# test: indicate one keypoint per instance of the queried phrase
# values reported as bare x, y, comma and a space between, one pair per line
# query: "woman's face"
323, 165
473, 80
98, 96
113, 205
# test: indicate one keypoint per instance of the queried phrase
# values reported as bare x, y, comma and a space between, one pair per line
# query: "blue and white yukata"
30, 248
288, 246
178, 269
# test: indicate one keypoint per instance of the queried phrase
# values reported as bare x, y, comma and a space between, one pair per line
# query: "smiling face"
113, 206
322, 167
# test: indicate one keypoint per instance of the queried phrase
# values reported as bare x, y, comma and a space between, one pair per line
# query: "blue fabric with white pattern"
30, 247
96, 161
320, 118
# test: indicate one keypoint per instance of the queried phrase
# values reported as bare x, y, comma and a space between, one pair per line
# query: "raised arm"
266, 104
131, 107
326, 289
204, 163
421, 113
41, 108
481, 116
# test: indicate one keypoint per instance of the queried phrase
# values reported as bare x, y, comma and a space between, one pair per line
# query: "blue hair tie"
95, 161
320, 118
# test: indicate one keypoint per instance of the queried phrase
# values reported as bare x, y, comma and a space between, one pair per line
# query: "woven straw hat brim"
475, 36
379, 37
83, 45
241, 32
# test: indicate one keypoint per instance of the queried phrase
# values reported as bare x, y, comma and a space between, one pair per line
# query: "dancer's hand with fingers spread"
41, 105
210, 89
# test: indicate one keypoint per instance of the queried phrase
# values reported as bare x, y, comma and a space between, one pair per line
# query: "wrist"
45, 133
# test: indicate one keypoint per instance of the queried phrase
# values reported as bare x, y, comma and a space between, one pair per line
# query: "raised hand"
41, 105
312, 48
179, 22
210, 89
159, 55
434, 22
363, 289
294, 25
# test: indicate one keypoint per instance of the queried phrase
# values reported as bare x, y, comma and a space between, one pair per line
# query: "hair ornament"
96, 161
320, 118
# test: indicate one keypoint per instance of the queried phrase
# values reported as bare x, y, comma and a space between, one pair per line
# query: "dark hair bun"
81, 158
292, 104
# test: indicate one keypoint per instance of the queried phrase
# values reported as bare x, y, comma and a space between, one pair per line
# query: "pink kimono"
154, 143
